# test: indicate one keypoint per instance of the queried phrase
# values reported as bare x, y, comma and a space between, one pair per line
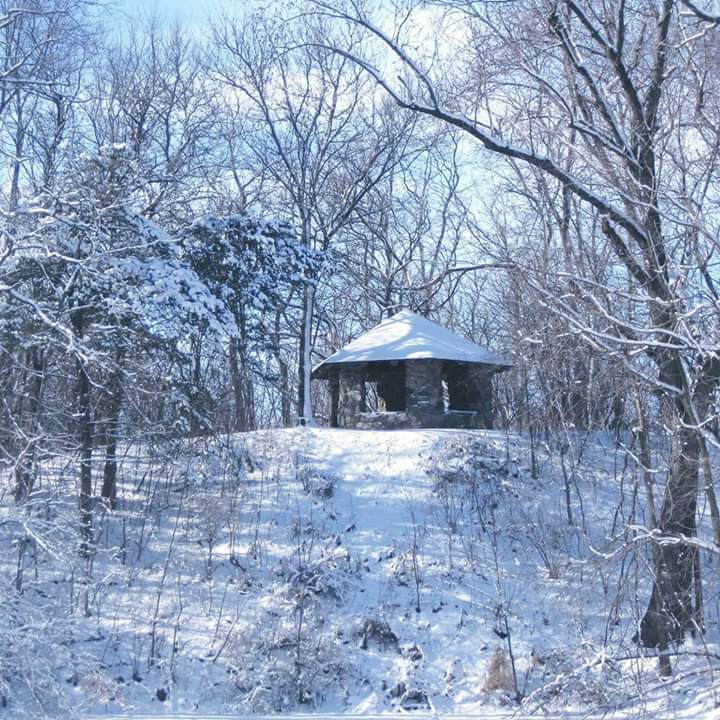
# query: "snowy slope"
364, 572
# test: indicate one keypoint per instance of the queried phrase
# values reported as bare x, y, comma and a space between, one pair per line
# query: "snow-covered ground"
348, 572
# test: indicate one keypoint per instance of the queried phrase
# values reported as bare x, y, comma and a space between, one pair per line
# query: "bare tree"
406, 235
152, 94
588, 101
44, 50
318, 133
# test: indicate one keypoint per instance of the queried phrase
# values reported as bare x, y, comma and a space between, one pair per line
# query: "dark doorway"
459, 395
391, 386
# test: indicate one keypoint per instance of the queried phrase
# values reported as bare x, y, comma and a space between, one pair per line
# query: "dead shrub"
316, 482
498, 675
378, 631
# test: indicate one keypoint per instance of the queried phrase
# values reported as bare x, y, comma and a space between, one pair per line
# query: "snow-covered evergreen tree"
112, 290
250, 264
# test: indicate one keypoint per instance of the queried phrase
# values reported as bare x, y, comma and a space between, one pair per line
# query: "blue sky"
189, 12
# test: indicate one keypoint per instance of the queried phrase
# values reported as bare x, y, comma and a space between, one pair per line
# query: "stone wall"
423, 385
385, 421
350, 395
469, 388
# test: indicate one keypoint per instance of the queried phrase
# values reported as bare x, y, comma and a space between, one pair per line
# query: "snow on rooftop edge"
407, 336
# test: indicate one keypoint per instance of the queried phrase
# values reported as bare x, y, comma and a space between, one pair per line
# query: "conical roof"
407, 336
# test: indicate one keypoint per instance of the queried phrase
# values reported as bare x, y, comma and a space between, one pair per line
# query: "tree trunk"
195, 391
305, 368
109, 486
283, 373
30, 423
645, 457
285, 392
670, 612
710, 491
18, 160
85, 433
244, 410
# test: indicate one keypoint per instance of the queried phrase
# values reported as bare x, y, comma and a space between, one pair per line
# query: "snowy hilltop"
319, 570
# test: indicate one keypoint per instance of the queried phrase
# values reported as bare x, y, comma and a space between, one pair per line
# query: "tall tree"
587, 99
319, 133
249, 265
44, 48
111, 282
151, 93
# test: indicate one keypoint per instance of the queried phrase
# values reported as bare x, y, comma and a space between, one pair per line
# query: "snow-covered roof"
407, 336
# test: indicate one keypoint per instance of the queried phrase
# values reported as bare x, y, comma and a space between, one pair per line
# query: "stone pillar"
350, 395
334, 383
423, 382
